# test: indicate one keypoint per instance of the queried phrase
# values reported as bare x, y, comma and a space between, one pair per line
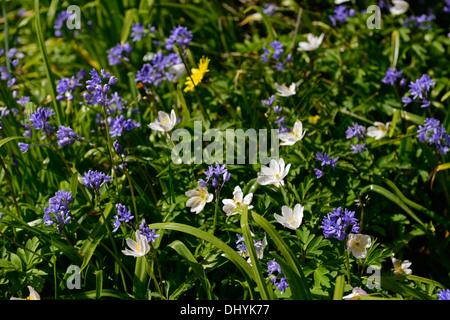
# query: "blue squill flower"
339, 223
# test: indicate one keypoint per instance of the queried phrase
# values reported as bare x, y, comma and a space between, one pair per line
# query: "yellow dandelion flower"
313, 119
197, 74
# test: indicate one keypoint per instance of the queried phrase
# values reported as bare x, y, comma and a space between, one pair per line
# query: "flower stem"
297, 231
13, 195
347, 265
110, 149
215, 211
204, 113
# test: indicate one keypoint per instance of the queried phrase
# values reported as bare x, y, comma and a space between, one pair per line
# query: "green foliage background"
340, 82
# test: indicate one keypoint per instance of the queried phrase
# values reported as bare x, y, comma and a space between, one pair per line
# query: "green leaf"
98, 232
98, 284
106, 293
389, 195
266, 294
48, 70
320, 277
398, 285
292, 278
198, 269
8, 139
395, 47
339, 288
287, 253
140, 281
229, 252
270, 29
126, 26
415, 205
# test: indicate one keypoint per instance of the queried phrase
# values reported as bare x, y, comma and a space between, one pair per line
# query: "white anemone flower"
312, 44
284, 91
357, 244
295, 135
178, 70
258, 245
356, 293
274, 174
164, 122
290, 218
33, 295
139, 247
198, 198
378, 130
238, 201
340, 1
401, 267
399, 7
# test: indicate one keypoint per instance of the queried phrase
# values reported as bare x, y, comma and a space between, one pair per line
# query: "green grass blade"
106, 293
270, 29
390, 196
292, 277
8, 139
140, 280
287, 253
98, 284
414, 205
256, 266
48, 71
91, 243
339, 288
126, 26
198, 269
395, 47
397, 285
230, 253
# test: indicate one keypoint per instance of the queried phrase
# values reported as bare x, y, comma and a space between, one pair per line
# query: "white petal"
238, 192
228, 208
280, 219
227, 201
266, 170
265, 180
191, 193
162, 115
198, 208
286, 212
399, 7
156, 126
281, 166
248, 199
131, 243
173, 117
298, 212
130, 253
274, 167
286, 170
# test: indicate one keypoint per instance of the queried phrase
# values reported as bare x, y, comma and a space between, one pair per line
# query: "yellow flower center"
202, 194
165, 121
138, 246
399, 270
